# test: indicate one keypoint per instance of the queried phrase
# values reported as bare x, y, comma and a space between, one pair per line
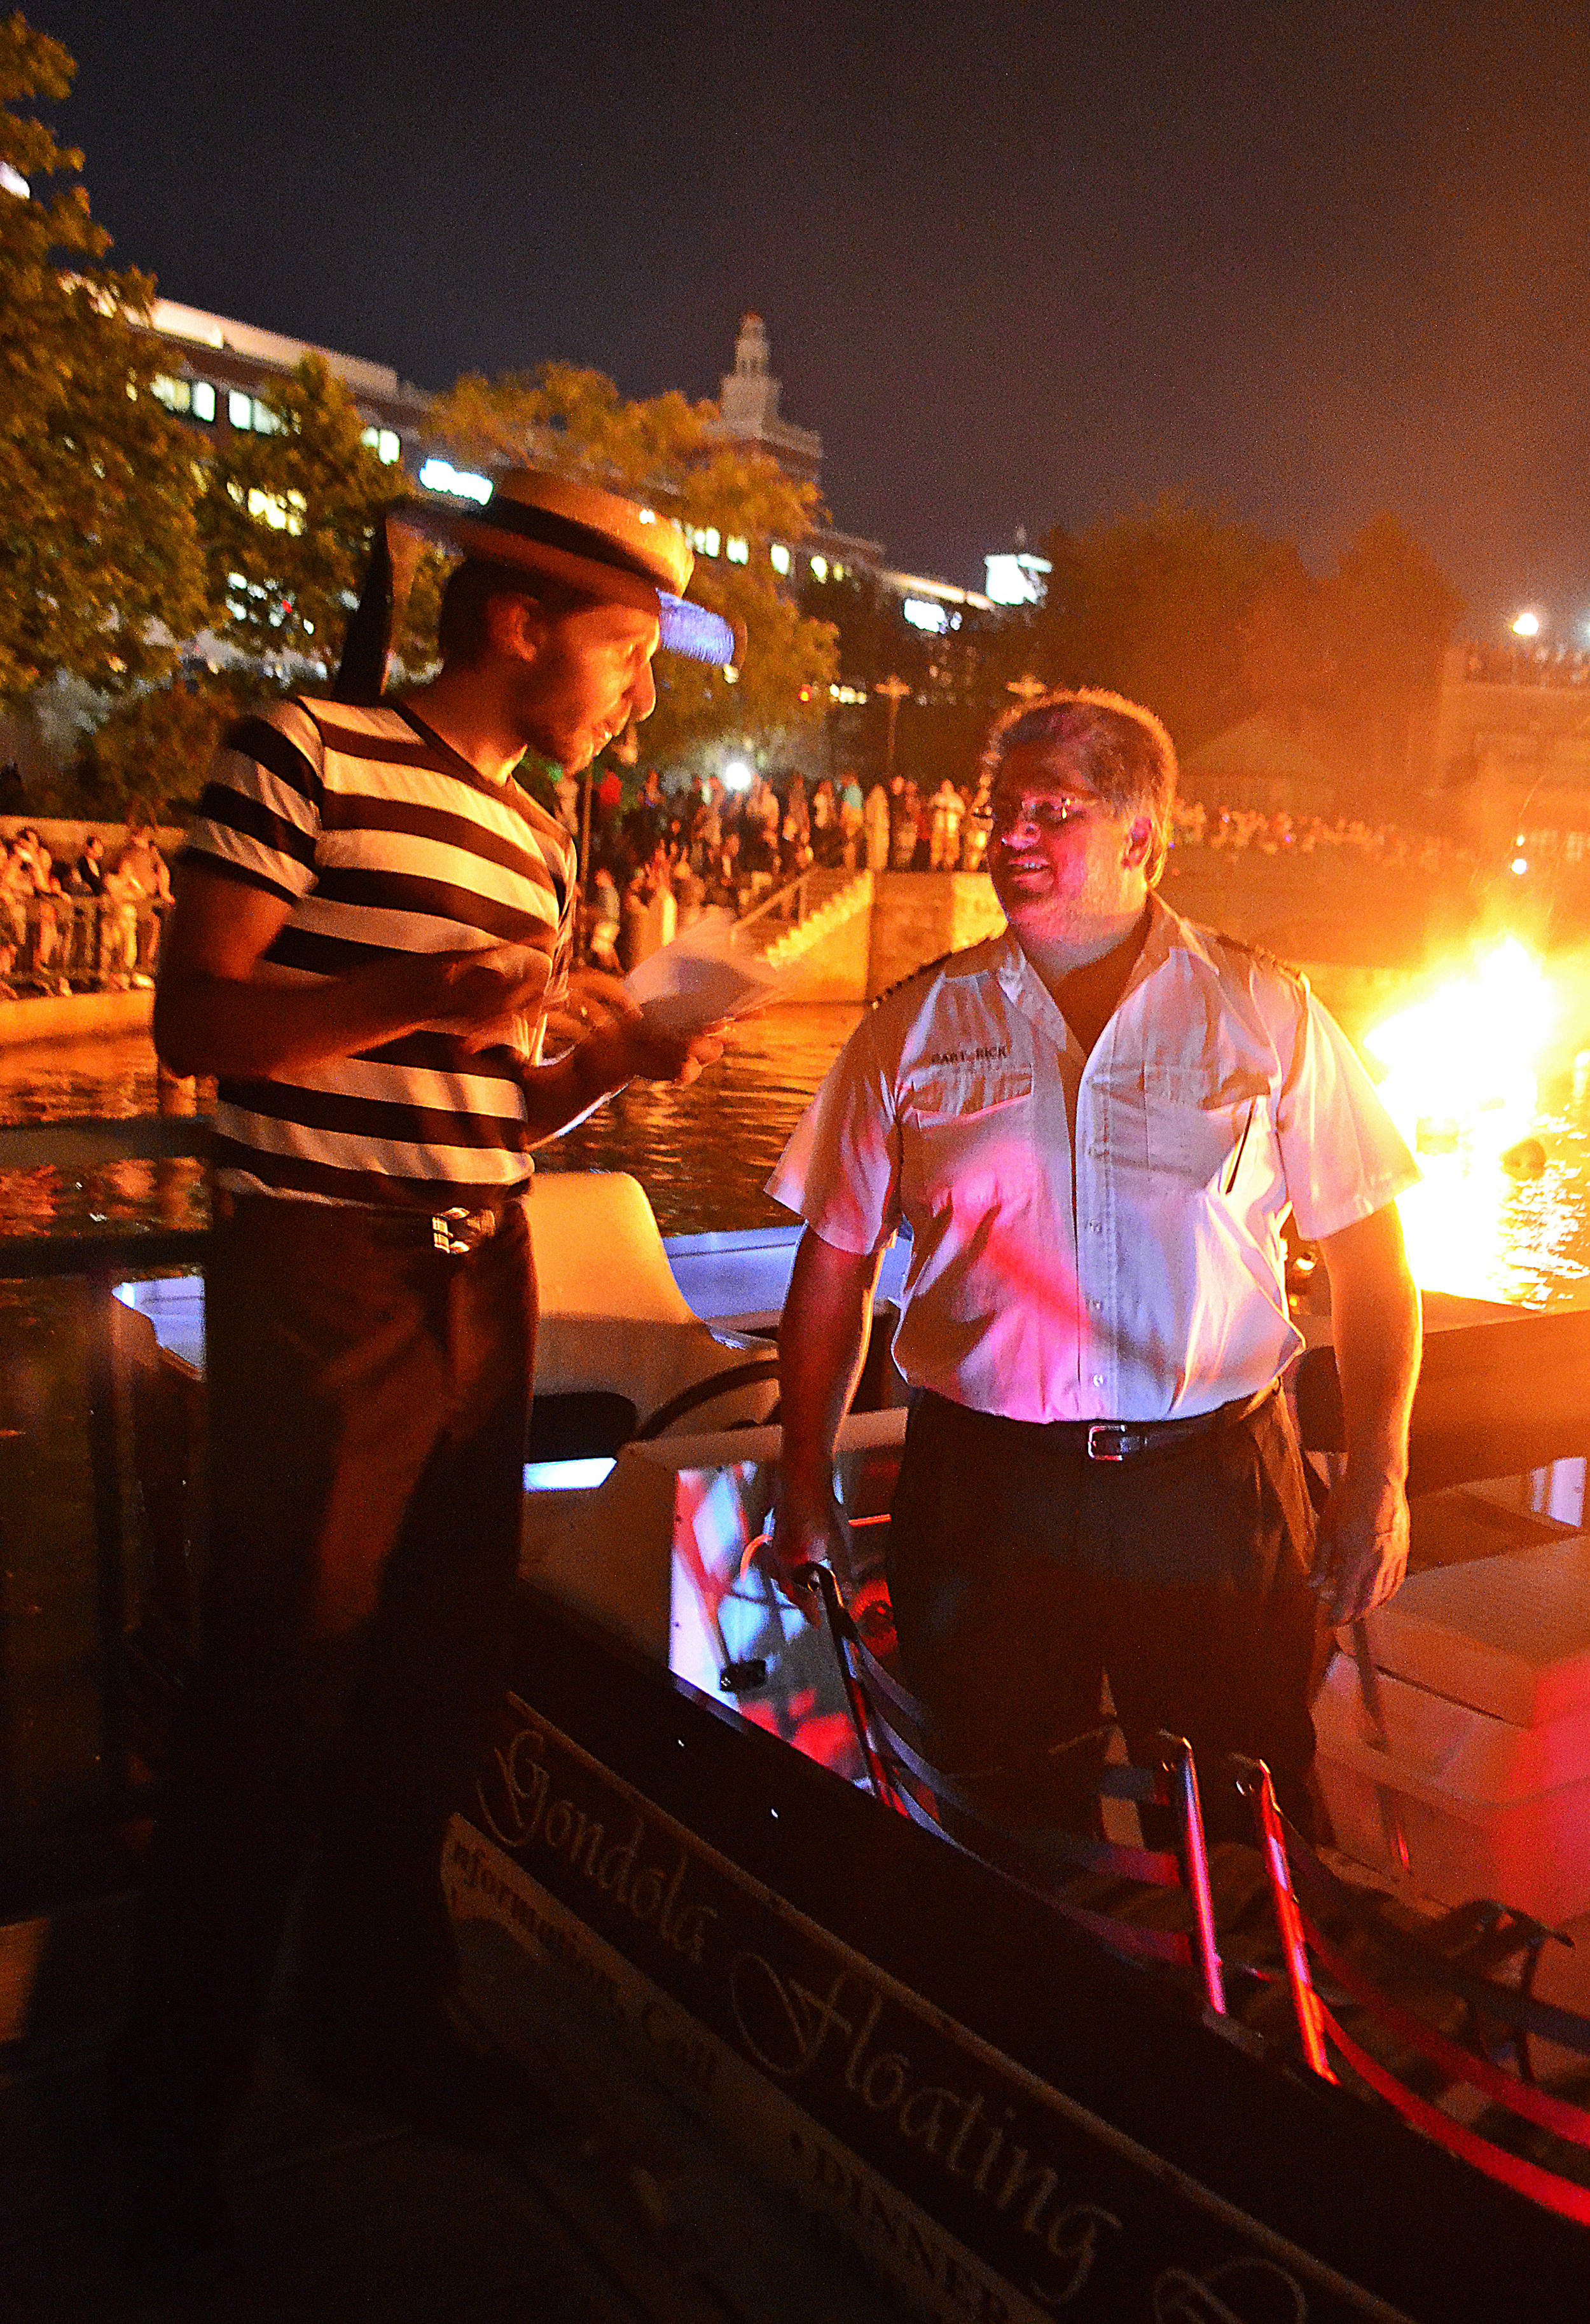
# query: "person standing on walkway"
373, 931
876, 825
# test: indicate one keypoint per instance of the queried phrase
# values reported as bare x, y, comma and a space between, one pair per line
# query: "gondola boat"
1007, 2118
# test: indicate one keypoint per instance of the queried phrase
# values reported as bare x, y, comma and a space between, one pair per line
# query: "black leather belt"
1126, 1440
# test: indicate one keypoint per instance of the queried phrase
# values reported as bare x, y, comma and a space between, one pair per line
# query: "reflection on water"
703, 1153
1473, 1228
108, 1079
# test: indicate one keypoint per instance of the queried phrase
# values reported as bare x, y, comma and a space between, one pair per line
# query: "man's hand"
593, 996
618, 1044
612, 1040
485, 996
808, 1529
1363, 1532
1361, 1555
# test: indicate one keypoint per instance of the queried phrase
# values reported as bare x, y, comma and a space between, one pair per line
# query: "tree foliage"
662, 451
1156, 605
286, 518
100, 569
157, 745
1389, 612
1207, 621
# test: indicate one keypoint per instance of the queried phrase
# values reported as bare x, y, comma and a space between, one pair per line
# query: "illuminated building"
222, 371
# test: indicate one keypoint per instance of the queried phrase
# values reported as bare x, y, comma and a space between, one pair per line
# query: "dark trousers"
367, 1406
1022, 1573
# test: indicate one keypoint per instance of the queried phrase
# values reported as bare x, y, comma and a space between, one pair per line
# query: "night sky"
1020, 264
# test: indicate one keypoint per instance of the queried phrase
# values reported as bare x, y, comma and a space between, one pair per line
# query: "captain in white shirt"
1094, 1126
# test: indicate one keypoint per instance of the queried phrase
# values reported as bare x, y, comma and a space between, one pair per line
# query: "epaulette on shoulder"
927, 968
1284, 968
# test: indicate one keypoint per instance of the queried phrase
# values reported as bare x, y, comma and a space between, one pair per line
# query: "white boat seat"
615, 1325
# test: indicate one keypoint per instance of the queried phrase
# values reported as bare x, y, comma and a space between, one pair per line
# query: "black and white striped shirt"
384, 840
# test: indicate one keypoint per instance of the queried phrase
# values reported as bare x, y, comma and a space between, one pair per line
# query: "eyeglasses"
1049, 815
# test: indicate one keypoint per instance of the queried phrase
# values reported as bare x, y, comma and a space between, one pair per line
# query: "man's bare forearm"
1376, 1331
248, 1030
822, 1346
559, 1093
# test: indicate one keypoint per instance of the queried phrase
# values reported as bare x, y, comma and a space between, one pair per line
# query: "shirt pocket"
967, 1140
941, 1099
1204, 1127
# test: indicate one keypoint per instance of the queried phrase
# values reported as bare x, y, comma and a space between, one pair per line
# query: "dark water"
702, 1152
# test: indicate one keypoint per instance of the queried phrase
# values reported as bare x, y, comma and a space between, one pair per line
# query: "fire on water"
1461, 1084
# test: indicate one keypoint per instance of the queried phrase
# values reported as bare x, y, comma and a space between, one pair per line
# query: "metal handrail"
796, 887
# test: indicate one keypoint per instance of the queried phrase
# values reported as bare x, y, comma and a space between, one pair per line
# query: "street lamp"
894, 691
1525, 625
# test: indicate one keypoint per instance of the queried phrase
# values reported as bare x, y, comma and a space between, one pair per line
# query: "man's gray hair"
1119, 748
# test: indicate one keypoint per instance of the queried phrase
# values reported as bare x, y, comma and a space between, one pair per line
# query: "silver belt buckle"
1106, 1440
444, 1234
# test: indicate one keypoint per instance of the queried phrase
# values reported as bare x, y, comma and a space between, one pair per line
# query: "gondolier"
1094, 1125
374, 922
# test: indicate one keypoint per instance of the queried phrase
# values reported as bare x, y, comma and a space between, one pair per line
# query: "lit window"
204, 399
922, 614
265, 422
283, 511
736, 551
838, 572
176, 394
779, 556
819, 568
240, 408
390, 447
440, 477
704, 539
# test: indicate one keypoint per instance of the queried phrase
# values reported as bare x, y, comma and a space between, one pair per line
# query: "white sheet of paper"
698, 978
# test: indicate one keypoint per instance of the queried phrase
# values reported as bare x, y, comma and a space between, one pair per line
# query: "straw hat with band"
586, 539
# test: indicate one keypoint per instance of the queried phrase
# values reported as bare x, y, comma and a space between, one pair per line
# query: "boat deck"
618, 2207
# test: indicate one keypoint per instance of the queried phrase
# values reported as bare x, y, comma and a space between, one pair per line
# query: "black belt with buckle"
1125, 1439
457, 1231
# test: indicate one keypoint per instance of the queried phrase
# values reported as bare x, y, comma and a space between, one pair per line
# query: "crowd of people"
1526, 664
658, 863
1241, 830
89, 925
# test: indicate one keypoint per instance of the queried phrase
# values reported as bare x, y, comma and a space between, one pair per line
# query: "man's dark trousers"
1022, 1572
368, 1397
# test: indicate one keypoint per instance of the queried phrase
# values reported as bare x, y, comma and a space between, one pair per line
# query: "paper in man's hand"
698, 979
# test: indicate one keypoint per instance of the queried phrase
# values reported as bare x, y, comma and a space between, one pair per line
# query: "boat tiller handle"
841, 1630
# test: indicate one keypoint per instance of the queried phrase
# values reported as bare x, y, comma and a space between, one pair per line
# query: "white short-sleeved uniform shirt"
1094, 1238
